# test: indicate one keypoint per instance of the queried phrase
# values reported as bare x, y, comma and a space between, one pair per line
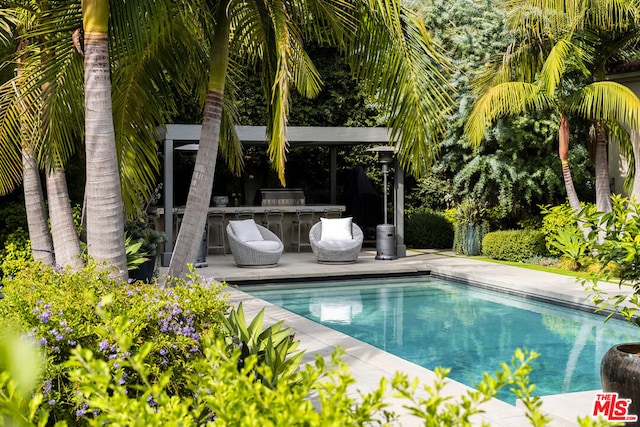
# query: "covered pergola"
183, 136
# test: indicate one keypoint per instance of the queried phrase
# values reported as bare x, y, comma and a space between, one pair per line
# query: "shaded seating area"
253, 245
336, 240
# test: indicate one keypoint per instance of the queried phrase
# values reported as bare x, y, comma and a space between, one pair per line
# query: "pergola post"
333, 154
168, 202
398, 214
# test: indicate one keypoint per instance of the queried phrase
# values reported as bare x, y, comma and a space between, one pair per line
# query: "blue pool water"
433, 322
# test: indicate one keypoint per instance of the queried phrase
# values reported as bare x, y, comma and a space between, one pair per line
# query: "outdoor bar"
289, 201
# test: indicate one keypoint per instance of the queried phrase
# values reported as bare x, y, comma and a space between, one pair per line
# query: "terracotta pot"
620, 373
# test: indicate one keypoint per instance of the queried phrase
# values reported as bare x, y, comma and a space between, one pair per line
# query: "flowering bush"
56, 309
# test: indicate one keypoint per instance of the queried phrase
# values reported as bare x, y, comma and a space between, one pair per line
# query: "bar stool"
332, 213
245, 214
303, 218
215, 224
274, 218
177, 216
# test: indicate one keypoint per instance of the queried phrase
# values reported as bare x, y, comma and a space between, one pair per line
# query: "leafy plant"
169, 320
141, 228
273, 347
135, 256
615, 237
570, 242
16, 253
471, 224
561, 217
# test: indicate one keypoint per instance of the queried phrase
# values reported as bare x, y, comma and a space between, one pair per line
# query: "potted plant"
615, 239
471, 217
141, 229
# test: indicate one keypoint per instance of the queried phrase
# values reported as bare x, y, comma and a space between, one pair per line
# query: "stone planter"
620, 373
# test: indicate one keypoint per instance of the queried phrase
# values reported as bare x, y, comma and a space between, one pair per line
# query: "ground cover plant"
57, 310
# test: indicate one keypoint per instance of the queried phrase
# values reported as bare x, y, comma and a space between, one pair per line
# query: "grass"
536, 267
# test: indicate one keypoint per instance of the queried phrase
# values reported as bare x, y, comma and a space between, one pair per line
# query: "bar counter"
231, 212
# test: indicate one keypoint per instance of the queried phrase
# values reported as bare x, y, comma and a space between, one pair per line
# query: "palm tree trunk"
65, 238
603, 190
37, 221
563, 151
105, 210
195, 214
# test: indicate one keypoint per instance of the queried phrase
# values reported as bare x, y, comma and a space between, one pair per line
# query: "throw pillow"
246, 230
336, 228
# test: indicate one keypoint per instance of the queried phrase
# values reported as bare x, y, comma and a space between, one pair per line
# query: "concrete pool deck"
367, 363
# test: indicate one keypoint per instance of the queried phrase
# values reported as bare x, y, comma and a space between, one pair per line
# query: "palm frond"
563, 57
405, 72
608, 101
10, 139
511, 98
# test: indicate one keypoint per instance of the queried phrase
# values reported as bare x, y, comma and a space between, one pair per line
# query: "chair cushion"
336, 245
336, 229
264, 245
246, 230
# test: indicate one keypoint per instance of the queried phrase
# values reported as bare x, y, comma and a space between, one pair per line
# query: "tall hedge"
428, 229
514, 245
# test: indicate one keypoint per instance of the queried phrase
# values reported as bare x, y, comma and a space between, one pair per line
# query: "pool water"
433, 322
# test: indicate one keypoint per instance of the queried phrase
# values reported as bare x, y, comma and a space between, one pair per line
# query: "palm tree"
140, 96
387, 46
552, 66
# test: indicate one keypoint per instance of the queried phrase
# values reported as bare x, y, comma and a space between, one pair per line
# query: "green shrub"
514, 245
13, 216
557, 218
56, 309
16, 254
429, 229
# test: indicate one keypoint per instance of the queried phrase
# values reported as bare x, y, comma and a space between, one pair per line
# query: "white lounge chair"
340, 243
253, 245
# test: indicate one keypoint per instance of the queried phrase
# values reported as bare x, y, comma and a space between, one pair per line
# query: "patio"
368, 364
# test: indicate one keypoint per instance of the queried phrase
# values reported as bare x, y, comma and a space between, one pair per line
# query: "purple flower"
151, 402
52, 402
45, 316
80, 412
163, 352
46, 387
104, 344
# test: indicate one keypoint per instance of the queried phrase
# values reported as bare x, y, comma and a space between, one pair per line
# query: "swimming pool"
433, 322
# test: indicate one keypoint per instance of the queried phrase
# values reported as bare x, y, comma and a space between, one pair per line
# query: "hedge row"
514, 245
429, 230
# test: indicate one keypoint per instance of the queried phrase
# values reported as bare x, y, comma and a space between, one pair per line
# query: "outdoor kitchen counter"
258, 211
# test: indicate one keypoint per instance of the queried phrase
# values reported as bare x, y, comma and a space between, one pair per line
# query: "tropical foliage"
559, 67
141, 355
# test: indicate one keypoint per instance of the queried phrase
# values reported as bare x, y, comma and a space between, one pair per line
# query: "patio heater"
385, 233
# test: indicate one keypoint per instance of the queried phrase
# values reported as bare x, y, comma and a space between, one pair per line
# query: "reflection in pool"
433, 322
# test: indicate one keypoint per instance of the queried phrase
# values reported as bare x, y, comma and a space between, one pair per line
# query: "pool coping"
368, 364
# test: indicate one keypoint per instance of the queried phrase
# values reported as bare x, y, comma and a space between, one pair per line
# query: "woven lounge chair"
329, 249
253, 245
